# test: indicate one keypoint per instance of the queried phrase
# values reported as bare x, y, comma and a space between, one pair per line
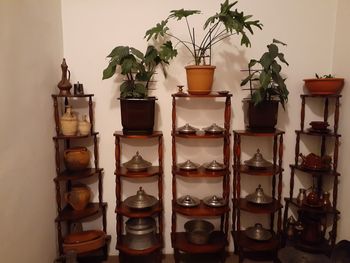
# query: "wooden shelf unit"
219, 238
65, 179
321, 214
244, 246
123, 211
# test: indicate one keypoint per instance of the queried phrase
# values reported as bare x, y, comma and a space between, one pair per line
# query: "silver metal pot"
214, 129
140, 233
214, 166
141, 200
137, 163
258, 233
188, 201
258, 161
259, 197
187, 129
214, 201
188, 165
198, 231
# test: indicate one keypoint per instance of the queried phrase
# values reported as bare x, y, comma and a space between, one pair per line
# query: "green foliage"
138, 68
270, 83
224, 24
329, 76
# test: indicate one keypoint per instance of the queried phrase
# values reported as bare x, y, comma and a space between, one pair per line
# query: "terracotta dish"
84, 241
324, 86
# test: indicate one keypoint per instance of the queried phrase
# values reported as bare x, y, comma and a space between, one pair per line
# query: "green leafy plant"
329, 76
138, 68
269, 82
222, 25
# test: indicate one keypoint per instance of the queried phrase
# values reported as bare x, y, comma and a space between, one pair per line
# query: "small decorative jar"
84, 126
76, 158
69, 122
78, 197
301, 196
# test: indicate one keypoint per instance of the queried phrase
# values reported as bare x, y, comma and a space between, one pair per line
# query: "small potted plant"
267, 89
324, 85
138, 69
222, 25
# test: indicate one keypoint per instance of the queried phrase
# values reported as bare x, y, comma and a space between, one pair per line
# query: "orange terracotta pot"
84, 241
324, 86
76, 158
78, 197
200, 79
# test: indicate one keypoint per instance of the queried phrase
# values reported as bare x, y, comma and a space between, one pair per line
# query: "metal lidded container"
141, 200
188, 165
259, 197
214, 129
258, 233
214, 166
214, 201
198, 231
137, 163
258, 161
188, 201
140, 233
187, 129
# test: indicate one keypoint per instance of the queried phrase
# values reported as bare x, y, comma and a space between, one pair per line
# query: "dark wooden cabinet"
320, 217
66, 215
218, 240
244, 246
153, 253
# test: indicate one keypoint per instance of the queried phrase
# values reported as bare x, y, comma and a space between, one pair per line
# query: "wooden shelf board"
200, 210
258, 134
315, 172
259, 172
244, 205
200, 172
138, 213
320, 95
64, 137
211, 95
199, 135
72, 96
71, 176
245, 243
151, 171
326, 134
154, 134
125, 249
217, 242
69, 214
317, 210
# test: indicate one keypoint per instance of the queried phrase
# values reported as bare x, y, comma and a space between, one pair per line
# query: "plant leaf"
181, 13
109, 71
159, 30
137, 53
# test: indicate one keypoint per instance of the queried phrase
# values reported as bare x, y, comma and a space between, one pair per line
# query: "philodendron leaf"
181, 13
252, 63
128, 64
159, 30
266, 60
109, 71
278, 42
140, 90
137, 53
273, 50
119, 51
281, 57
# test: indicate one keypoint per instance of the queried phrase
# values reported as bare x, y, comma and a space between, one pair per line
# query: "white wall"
341, 65
30, 53
92, 28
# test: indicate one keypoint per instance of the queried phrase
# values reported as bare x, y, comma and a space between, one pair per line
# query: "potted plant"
222, 25
138, 69
267, 89
324, 85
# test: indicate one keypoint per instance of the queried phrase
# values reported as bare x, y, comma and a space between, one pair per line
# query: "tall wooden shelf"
122, 210
322, 215
219, 238
244, 246
65, 179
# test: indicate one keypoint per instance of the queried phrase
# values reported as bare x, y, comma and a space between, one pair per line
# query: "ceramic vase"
76, 158
69, 122
84, 126
78, 197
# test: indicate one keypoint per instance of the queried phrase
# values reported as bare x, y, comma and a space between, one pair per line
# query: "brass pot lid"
259, 197
188, 129
258, 161
141, 200
137, 163
214, 201
214, 165
188, 165
188, 201
215, 129
140, 226
257, 232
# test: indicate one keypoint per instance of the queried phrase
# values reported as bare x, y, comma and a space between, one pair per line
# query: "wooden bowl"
326, 86
84, 241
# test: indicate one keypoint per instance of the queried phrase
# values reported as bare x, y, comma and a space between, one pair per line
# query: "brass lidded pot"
257, 232
214, 166
140, 233
137, 163
259, 197
141, 200
188, 201
258, 161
